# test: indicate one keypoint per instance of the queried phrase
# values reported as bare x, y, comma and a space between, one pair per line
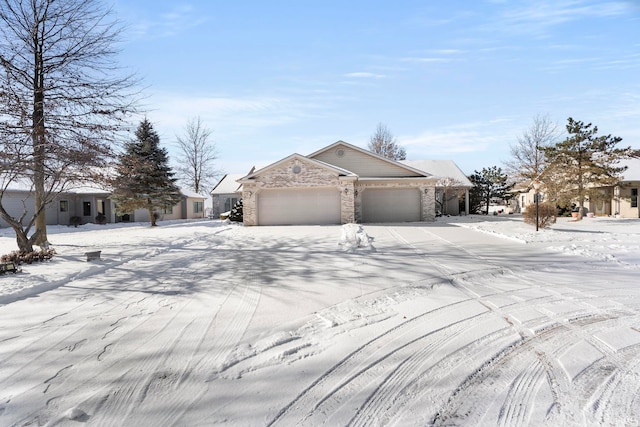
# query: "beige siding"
624, 205
362, 164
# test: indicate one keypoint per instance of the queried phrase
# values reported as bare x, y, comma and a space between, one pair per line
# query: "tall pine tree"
143, 178
583, 163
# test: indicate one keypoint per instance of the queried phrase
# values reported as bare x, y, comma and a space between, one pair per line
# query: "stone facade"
294, 173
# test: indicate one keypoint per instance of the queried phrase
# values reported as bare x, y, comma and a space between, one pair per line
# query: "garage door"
390, 205
308, 206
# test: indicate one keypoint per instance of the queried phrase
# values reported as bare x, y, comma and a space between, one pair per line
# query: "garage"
390, 205
299, 206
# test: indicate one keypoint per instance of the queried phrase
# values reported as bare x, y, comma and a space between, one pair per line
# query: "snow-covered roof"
228, 184
633, 169
191, 194
440, 168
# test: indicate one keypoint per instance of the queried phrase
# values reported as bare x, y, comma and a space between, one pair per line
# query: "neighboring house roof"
440, 168
228, 184
633, 169
191, 194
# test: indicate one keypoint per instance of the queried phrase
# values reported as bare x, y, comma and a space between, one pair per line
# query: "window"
64, 206
634, 197
86, 208
198, 207
229, 203
167, 210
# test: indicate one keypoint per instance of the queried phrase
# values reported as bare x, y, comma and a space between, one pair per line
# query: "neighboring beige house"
226, 194
338, 184
87, 202
625, 197
621, 201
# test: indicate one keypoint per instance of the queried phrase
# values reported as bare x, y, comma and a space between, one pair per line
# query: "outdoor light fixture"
536, 186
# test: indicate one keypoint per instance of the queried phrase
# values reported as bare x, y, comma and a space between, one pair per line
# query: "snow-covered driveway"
205, 324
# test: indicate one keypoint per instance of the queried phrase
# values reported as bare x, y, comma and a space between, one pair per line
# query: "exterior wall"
189, 210
362, 164
622, 202
12, 201
284, 175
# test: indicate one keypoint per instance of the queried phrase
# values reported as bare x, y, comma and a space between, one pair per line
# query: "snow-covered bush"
236, 212
546, 215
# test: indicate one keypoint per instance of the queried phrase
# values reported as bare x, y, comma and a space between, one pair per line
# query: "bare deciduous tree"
527, 155
62, 99
448, 189
384, 143
197, 156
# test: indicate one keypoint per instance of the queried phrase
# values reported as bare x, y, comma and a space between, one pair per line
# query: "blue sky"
456, 80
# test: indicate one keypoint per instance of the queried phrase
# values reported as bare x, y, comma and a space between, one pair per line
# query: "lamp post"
536, 186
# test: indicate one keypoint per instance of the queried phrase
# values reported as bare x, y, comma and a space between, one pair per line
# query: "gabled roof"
411, 171
296, 156
228, 184
441, 169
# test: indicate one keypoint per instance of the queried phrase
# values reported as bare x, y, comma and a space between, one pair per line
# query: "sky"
458, 80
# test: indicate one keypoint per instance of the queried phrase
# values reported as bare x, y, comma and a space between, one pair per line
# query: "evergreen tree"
488, 184
143, 178
583, 163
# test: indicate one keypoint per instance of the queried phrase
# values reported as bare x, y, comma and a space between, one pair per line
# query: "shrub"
546, 215
236, 212
19, 257
101, 219
75, 221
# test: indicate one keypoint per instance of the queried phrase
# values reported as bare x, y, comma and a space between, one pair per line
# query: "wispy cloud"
539, 16
462, 138
364, 75
165, 24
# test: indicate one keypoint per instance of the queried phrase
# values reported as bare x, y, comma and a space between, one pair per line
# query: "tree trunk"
152, 216
39, 150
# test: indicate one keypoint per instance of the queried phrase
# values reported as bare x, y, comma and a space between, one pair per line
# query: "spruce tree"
583, 163
143, 178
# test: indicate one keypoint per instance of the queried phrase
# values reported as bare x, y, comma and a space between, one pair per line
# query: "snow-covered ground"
465, 321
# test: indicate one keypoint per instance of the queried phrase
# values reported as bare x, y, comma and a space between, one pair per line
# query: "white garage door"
308, 206
390, 205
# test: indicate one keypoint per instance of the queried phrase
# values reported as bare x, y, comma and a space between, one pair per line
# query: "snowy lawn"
465, 321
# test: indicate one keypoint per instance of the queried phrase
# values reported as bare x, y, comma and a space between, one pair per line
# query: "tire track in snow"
216, 342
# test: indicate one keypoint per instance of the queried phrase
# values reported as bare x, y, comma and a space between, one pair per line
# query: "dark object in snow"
75, 221
8, 267
93, 255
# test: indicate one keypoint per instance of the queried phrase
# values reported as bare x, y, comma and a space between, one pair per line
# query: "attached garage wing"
299, 206
391, 205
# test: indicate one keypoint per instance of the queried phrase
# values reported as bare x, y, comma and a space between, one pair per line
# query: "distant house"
625, 197
621, 201
226, 194
86, 203
342, 183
